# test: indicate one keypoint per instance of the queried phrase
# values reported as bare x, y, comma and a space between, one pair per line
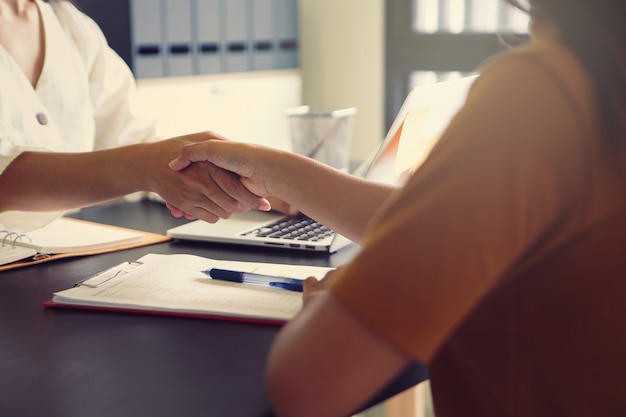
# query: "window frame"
407, 51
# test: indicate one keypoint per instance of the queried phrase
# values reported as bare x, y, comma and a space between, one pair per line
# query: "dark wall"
113, 17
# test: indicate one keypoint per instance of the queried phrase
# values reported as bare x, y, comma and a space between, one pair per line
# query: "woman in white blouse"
69, 133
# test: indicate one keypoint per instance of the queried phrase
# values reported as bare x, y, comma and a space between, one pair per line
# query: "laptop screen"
419, 123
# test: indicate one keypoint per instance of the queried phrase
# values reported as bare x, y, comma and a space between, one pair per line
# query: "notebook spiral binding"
8, 235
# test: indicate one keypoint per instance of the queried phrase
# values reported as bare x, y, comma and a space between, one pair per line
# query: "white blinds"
463, 17
467, 16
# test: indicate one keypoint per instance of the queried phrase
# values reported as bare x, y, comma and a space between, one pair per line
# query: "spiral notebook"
66, 237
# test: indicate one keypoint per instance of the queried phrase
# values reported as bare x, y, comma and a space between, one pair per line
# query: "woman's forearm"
339, 200
44, 181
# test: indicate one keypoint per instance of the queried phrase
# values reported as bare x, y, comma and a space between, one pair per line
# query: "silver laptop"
430, 106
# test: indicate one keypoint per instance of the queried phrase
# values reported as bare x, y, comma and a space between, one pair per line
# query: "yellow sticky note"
413, 147
421, 131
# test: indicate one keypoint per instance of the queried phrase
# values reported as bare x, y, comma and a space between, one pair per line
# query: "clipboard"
176, 285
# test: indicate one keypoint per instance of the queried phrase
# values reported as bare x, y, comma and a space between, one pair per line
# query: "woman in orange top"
499, 264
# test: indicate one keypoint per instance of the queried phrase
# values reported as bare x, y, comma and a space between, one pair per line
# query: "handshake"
217, 177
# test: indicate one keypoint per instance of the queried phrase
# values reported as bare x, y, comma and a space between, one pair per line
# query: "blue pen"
290, 284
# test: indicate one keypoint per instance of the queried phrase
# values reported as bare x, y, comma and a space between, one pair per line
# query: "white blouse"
84, 100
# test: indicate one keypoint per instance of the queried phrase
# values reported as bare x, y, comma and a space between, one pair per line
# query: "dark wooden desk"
60, 363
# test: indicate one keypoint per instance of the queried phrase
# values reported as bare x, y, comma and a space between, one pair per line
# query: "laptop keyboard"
298, 227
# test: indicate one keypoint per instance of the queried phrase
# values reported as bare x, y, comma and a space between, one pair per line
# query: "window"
434, 40
467, 16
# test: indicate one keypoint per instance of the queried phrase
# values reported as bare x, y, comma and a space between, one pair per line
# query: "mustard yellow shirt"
521, 170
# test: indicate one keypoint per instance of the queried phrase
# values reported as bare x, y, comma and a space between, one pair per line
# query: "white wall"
342, 62
241, 106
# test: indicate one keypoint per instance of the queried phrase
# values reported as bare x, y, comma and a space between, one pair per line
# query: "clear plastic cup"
322, 133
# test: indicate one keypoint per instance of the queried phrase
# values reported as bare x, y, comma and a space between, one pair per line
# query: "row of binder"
187, 37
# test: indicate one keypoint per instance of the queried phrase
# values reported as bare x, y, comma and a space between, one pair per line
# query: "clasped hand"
202, 190
236, 179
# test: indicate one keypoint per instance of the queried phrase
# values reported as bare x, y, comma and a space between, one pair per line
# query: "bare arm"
320, 353
44, 181
341, 201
